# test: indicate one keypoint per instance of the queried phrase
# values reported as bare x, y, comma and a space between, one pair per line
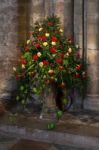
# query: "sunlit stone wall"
92, 37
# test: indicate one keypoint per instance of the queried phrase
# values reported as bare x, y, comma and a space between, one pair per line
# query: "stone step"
60, 138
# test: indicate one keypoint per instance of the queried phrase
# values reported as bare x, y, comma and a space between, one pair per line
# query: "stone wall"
8, 42
92, 45
16, 17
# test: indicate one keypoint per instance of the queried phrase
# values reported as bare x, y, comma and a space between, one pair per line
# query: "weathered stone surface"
16, 16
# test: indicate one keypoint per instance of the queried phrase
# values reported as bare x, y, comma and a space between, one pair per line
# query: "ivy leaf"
28, 56
65, 62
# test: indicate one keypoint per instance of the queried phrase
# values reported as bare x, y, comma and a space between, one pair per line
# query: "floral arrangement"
48, 57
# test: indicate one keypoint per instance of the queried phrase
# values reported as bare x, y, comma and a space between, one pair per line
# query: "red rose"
35, 57
78, 67
26, 49
54, 39
53, 50
77, 75
70, 40
41, 38
50, 23
59, 61
45, 62
23, 61
37, 45
61, 55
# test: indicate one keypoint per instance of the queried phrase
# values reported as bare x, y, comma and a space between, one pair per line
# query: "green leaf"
51, 126
59, 114
22, 88
28, 56
65, 62
17, 98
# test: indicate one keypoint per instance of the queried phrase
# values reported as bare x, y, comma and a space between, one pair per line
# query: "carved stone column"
92, 101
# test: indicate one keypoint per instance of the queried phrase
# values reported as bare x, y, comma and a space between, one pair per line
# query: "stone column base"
92, 102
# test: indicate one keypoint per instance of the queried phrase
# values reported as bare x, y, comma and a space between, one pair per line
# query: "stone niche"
16, 16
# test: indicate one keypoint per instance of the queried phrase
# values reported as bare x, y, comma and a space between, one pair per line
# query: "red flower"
59, 60
78, 55
35, 57
23, 61
53, 50
41, 38
78, 67
45, 62
26, 49
77, 75
61, 55
70, 40
37, 45
54, 39
50, 23
17, 76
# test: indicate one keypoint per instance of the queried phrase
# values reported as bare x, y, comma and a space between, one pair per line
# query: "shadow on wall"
23, 21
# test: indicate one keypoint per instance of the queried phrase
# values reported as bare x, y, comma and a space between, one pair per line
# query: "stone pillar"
36, 11
8, 42
78, 23
92, 101
64, 10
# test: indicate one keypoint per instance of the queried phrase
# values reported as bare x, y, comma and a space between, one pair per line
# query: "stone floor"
10, 142
74, 131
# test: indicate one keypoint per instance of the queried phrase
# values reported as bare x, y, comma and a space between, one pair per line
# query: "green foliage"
48, 56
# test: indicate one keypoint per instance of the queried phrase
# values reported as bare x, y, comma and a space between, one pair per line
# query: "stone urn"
49, 107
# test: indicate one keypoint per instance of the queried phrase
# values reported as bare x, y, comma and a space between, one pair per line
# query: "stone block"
93, 19
78, 39
78, 24
92, 7
93, 57
78, 7
93, 84
93, 28
93, 41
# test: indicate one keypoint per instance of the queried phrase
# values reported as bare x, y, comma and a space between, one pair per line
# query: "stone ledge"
54, 137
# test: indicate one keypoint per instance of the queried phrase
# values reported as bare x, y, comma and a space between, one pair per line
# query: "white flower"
39, 54
51, 71
47, 34
45, 44
53, 43
77, 46
23, 66
28, 41
40, 29
54, 55
41, 64
69, 50
61, 30
14, 69
67, 54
